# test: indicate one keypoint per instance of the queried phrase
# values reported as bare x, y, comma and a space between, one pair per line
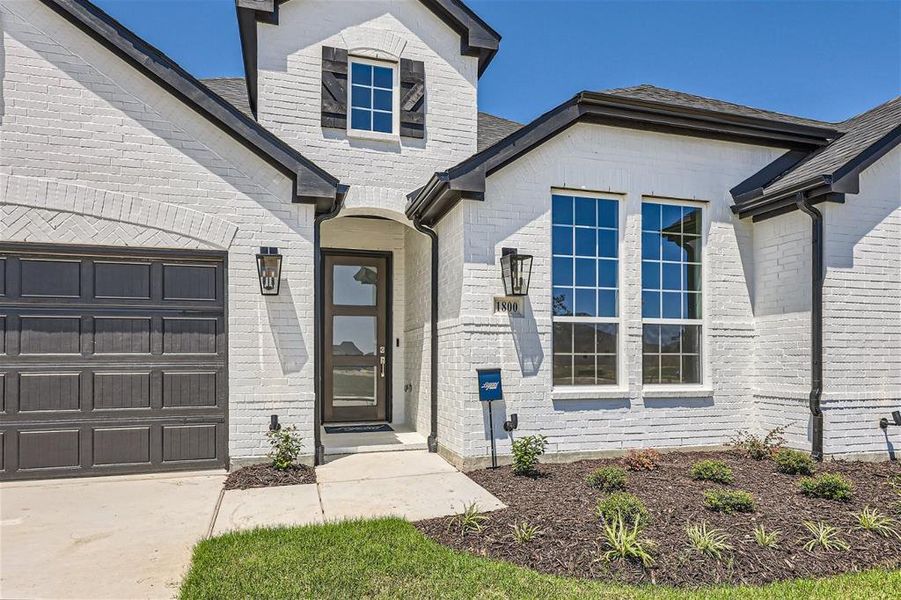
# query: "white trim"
689, 390
394, 136
589, 392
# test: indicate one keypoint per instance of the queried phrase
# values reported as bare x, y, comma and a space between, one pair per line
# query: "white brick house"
672, 299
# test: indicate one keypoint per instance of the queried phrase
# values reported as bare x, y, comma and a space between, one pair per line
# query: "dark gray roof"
492, 129
861, 132
653, 93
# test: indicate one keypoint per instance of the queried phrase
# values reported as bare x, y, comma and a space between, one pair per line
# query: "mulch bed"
560, 503
257, 476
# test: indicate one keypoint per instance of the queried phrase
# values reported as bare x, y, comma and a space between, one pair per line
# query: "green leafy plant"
712, 470
766, 539
710, 542
526, 451
607, 479
524, 533
624, 542
622, 505
793, 462
831, 486
471, 520
286, 446
825, 536
753, 446
870, 519
642, 460
729, 501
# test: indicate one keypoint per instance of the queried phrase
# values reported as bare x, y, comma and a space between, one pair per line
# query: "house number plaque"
509, 305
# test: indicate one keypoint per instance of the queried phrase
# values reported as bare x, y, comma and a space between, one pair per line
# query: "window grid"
372, 97
585, 274
671, 293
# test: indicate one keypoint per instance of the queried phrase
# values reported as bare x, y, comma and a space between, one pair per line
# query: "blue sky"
825, 60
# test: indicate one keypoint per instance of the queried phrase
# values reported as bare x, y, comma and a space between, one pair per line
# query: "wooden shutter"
412, 98
334, 87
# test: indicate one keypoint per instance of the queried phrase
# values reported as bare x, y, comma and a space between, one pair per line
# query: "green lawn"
389, 558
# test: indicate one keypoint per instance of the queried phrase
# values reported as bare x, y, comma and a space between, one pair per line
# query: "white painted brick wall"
94, 153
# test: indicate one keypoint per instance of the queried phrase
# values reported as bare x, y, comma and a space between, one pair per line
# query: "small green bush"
607, 479
625, 506
712, 470
831, 486
625, 543
755, 447
793, 462
729, 501
526, 451
286, 446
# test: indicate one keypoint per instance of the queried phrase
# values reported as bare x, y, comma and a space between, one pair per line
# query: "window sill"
373, 136
676, 392
589, 393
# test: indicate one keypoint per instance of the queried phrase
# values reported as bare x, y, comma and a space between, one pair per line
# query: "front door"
357, 352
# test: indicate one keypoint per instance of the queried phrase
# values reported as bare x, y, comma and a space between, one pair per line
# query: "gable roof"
827, 173
491, 129
642, 107
312, 184
477, 38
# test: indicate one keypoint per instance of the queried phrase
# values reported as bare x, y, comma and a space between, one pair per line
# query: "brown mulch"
257, 476
560, 503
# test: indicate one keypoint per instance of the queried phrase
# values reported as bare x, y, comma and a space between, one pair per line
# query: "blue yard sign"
490, 385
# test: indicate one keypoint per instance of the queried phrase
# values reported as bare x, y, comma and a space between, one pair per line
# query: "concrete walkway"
412, 484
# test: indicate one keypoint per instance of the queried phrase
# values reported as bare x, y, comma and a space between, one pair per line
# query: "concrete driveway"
115, 537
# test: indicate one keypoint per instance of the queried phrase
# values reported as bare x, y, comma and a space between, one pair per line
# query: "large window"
585, 244
671, 292
371, 96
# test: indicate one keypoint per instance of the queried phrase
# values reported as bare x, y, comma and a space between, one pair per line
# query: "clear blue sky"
825, 60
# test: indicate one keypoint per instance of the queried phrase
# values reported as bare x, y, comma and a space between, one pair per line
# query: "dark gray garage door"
111, 361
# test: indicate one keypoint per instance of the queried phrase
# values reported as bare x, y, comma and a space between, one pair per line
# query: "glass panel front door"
356, 344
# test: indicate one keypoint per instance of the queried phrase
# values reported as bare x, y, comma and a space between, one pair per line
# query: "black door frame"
388, 256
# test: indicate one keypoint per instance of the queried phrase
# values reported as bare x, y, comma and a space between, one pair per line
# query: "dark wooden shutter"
412, 98
334, 87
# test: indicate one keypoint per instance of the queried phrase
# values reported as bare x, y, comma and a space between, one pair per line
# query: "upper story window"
585, 248
671, 287
372, 96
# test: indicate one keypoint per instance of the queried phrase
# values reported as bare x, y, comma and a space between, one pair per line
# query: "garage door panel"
45, 449
122, 280
115, 361
121, 445
50, 278
114, 391
50, 334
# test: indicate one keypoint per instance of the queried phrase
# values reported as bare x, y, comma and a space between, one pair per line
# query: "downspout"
319, 452
433, 346
816, 321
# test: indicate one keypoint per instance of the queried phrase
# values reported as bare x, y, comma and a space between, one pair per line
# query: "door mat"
357, 428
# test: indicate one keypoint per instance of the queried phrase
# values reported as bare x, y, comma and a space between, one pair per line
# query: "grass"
389, 558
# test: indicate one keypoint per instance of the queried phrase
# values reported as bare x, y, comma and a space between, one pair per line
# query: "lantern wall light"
269, 268
516, 270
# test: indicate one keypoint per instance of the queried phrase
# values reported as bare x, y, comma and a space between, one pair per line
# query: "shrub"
757, 448
642, 460
285, 447
607, 479
766, 539
524, 533
471, 520
831, 486
711, 542
793, 462
526, 451
623, 505
870, 519
712, 470
729, 501
625, 543
823, 536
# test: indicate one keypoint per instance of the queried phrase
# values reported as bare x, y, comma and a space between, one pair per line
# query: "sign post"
490, 389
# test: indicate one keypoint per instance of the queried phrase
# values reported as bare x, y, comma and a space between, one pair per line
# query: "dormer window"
372, 96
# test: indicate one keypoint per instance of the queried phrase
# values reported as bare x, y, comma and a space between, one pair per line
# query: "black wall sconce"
896, 420
269, 267
516, 271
